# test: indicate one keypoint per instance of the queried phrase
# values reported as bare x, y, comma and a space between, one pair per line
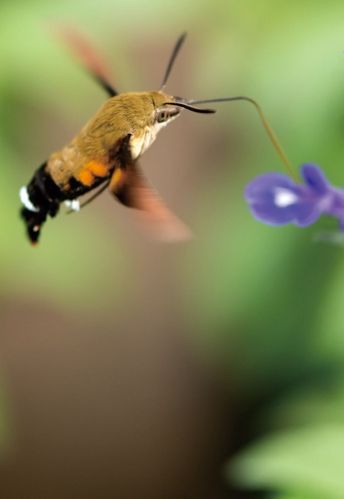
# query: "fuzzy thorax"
142, 140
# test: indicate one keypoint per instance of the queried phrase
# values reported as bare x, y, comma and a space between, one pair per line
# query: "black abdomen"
43, 198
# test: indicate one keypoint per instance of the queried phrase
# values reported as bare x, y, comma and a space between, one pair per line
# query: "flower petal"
275, 199
314, 178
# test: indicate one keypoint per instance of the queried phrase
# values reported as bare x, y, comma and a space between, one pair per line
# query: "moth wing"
130, 187
88, 56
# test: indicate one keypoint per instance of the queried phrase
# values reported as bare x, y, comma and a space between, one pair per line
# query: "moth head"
165, 110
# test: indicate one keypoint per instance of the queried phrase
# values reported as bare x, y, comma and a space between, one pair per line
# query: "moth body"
105, 153
121, 131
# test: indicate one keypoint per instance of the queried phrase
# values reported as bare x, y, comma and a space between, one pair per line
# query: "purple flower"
276, 199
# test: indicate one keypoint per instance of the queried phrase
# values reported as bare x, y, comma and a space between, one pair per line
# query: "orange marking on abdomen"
98, 169
86, 177
91, 170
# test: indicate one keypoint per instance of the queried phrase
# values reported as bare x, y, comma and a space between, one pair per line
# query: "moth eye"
162, 116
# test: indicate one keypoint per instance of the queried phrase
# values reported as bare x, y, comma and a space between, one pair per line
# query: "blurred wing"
130, 187
82, 49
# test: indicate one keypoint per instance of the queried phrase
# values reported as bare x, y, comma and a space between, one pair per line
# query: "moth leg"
75, 205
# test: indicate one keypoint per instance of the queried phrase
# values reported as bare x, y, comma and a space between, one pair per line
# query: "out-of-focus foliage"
263, 305
304, 453
306, 461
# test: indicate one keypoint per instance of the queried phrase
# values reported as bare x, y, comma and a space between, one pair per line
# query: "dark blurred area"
211, 369
98, 414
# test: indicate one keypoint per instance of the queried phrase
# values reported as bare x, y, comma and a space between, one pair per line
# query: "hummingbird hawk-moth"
105, 153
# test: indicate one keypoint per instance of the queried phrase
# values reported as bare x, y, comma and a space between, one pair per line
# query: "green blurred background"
208, 370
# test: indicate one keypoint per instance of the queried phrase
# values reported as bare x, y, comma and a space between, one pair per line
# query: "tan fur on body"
128, 113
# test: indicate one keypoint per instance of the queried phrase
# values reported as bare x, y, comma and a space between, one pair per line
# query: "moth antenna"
173, 57
270, 132
82, 49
